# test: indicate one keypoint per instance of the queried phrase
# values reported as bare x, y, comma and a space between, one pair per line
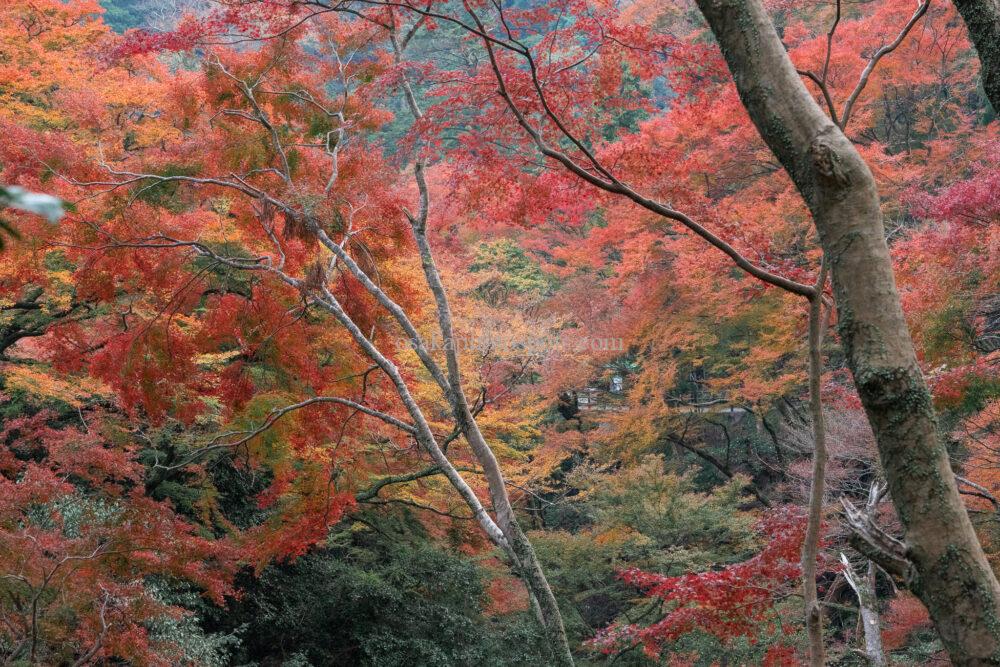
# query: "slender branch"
373, 491
977, 490
718, 465
824, 89
259, 115
829, 45
419, 506
873, 61
99, 642
615, 186
423, 432
810, 544
275, 415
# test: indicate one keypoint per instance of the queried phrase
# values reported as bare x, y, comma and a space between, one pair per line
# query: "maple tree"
74, 551
729, 603
309, 275
329, 265
835, 193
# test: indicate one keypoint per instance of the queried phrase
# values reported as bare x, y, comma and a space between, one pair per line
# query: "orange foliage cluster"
169, 328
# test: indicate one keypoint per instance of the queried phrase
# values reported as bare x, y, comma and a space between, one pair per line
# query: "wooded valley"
499, 332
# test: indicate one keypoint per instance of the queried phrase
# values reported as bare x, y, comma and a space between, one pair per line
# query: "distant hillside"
124, 14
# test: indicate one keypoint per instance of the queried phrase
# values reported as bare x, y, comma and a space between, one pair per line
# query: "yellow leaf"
41, 384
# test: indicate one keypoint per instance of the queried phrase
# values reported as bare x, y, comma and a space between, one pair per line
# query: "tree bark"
526, 559
810, 544
982, 18
953, 579
518, 547
864, 589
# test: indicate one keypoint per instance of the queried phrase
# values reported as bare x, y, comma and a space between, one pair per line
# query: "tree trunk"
810, 545
953, 578
523, 553
982, 18
520, 549
864, 588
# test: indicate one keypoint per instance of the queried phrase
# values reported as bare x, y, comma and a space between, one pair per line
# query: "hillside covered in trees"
499, 332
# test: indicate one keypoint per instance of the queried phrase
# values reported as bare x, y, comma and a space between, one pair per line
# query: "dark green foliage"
226, 496
319, 125
628, 120
164, 194
222, 279
979, 392
197, 647
950, 333
378, 594
643, 516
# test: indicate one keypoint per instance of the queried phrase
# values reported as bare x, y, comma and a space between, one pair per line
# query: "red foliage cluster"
250, 19
736, 601
67, 552
905, 616
974, 200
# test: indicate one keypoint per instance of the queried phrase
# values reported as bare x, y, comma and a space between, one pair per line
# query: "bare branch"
259, 115
872, 541
873, 61
829, 44
274, 416
821, 84
90, 653
977, 490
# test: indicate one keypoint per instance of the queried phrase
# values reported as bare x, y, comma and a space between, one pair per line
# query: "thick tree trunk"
982, 18
953, 578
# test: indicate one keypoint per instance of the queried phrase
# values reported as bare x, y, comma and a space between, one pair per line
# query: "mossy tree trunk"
953, 577
982, 18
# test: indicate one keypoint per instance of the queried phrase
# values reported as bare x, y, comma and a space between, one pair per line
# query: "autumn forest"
480, 333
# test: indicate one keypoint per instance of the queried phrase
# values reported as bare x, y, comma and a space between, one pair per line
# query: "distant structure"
598, 399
